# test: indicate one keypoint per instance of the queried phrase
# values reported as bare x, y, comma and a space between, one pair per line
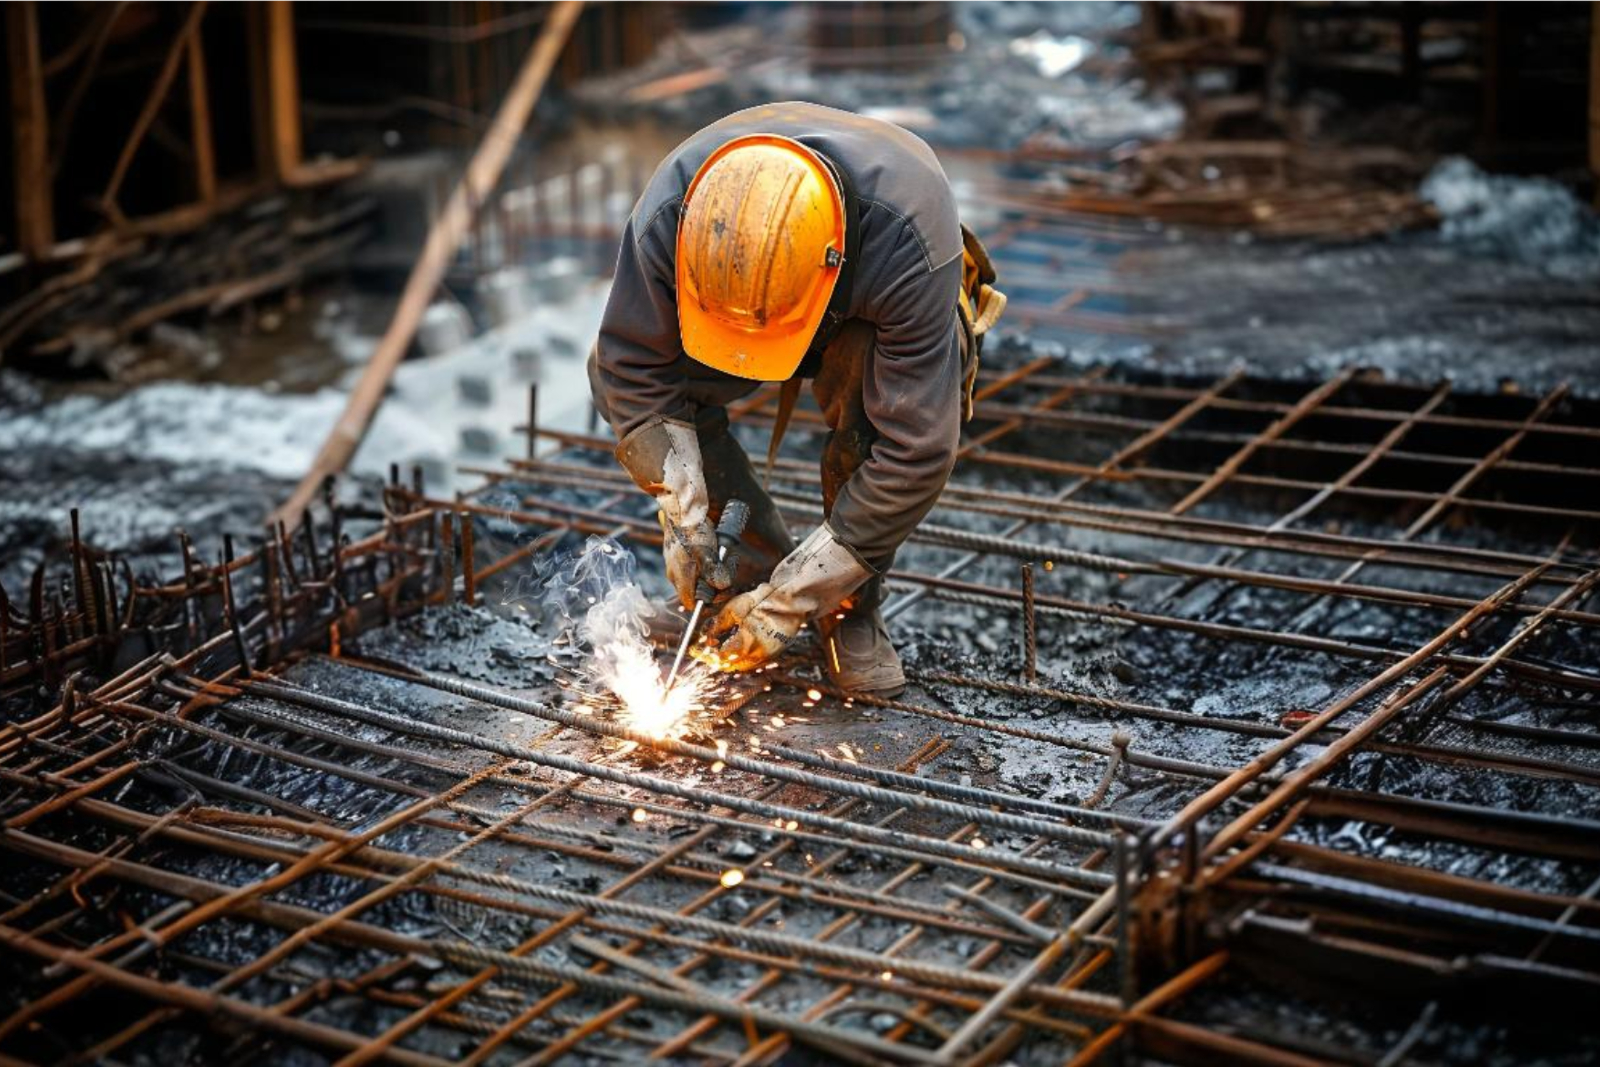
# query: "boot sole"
886, 689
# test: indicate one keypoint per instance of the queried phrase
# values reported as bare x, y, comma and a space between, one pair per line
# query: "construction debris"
1269, 188
85, 316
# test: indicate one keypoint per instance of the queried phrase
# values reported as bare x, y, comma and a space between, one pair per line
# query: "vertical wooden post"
276, 82
205, 159
284, 66
30, 130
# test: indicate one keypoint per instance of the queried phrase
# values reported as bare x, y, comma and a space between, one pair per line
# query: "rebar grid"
360, 856
165, 772
671, 931
1195, 495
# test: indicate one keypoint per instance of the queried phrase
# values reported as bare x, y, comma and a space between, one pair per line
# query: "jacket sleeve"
911, 385
637, 363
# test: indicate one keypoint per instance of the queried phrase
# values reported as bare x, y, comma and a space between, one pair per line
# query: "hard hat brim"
754, 355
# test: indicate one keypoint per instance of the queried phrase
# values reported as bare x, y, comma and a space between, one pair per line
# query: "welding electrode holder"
730, 527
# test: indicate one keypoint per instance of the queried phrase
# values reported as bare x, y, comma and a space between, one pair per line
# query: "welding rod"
729, 529
683, 645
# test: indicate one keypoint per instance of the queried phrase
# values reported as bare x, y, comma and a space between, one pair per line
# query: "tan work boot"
856, 649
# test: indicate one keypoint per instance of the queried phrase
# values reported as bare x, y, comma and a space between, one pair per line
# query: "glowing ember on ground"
732, 877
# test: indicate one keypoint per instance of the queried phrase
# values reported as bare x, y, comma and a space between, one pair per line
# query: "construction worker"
782, 243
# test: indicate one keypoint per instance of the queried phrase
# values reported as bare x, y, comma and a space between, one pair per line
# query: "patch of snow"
1013, 18
1531, 220
1051, 55
424, 420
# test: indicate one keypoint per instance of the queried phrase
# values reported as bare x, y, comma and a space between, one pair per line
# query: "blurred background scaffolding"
211, 207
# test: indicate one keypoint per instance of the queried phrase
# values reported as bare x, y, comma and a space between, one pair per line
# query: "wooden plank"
30, 129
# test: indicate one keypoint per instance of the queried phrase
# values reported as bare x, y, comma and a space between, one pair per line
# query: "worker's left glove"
663, 458
812, 580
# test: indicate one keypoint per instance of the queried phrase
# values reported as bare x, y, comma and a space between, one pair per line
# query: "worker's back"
898, 181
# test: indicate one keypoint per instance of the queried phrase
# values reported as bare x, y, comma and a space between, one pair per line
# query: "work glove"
663, 458
810, 581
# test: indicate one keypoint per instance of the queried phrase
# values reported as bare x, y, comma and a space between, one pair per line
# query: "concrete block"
475, 390
479, 440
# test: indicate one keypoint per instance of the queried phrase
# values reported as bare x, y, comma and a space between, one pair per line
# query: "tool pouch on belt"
980, 305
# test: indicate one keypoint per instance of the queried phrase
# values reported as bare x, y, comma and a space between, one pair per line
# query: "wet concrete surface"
1421, 307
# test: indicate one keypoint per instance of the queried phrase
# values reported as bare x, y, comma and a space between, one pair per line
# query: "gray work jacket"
907, 276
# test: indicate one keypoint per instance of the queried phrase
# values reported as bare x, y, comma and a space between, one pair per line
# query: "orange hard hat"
760, 246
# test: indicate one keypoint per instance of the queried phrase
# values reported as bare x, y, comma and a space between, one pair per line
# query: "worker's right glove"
663, 458
810, 581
